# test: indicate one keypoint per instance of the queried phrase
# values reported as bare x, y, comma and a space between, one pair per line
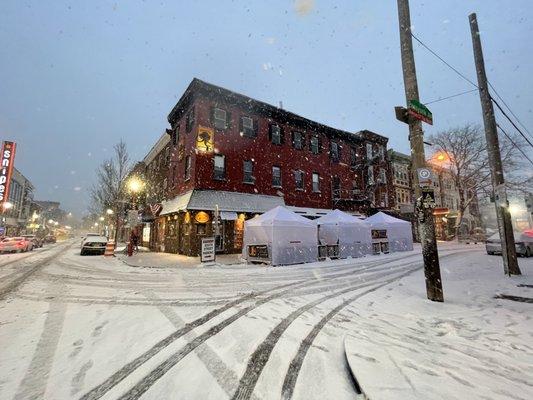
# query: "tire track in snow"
260, 357
126, 370
145, 383
33, 385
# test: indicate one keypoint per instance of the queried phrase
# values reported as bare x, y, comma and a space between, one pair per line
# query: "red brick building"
232, 157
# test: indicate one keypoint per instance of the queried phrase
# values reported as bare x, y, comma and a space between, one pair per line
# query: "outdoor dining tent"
290, 238
350, 233
399, 232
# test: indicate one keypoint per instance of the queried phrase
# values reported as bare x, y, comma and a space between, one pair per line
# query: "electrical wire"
449, 97
509, 108
444, 61
514, 144
511, 121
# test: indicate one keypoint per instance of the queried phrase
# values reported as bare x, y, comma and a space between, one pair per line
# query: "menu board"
258, 251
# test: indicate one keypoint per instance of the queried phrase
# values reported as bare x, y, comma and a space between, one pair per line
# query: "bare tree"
467, 162
110, 188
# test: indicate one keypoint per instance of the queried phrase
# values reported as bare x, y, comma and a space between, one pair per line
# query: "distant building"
20, 197
51, 210
401, 182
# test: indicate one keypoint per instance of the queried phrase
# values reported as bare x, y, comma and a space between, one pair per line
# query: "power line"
511, 121
444, 61
449, 97
509, 108
514, 144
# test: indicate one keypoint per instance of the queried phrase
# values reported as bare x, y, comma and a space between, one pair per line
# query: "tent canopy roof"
279, 216
336, 217
382, 218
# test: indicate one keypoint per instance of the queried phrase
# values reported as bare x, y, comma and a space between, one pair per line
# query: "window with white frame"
247, 127
275, 134
248, 171
298, 140
276, 176
314, 144
382, 175
334, 151
219, 118
299, 179
316, 182
219, 172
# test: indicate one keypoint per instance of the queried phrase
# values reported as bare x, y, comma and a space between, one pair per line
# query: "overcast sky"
76, 76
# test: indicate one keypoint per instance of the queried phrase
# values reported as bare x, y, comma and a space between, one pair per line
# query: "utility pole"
505, 227
426, 222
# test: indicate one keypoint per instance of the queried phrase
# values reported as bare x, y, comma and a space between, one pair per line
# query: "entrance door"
219, 239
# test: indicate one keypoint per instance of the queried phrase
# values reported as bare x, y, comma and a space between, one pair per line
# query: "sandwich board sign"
208, 249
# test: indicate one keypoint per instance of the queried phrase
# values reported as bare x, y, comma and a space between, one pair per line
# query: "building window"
355, 189
187, 168
219, 172
353, 156
220, 118
314, 143
382, 176
200, 229
381, 153
276, 134
334, 151
175, 135
276, 176
248, 127
369, 152
248, 170
316, 182
371, 175
299, 180
336, 187
298, 140
189, 121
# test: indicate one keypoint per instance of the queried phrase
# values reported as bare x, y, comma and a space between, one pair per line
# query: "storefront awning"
209, 200
228, 215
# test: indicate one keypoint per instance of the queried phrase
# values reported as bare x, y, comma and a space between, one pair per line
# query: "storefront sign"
208, 249
201, 217
205, 140
258, 251
6, 169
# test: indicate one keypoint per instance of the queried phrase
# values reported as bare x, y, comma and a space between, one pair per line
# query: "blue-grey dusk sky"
76, 76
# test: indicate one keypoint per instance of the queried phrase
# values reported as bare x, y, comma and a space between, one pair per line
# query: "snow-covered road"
94, 327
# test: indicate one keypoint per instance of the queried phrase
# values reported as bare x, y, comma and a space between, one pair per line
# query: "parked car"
15, 245
83, 238
50, 239
93, 245
523, 244
37, 242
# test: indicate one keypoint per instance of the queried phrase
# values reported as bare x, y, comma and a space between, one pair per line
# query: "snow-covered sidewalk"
401, 346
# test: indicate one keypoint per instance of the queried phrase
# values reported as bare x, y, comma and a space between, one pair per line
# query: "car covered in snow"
93, 245
15, 245
523, 244
84, 237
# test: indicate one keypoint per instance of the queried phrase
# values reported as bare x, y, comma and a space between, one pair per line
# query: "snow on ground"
472, 346
168, 327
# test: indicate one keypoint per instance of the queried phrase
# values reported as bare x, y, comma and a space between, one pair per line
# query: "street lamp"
96, 224
101, 218
7, 205
135, 184
109, 211
50, 221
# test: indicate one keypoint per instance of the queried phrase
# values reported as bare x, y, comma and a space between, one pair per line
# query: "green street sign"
420, 111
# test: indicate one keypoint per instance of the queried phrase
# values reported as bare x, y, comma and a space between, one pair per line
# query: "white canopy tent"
350, 233
399, 232
291, 238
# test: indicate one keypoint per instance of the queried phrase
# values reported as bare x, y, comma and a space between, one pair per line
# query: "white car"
93, 244
523, 244
83, 238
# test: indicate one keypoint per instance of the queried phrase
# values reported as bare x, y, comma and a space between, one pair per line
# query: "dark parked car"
50, 239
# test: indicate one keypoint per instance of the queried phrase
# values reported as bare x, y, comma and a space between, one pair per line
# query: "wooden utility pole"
505, 227
426, 222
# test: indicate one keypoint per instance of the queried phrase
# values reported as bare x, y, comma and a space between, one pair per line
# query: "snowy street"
94, 327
